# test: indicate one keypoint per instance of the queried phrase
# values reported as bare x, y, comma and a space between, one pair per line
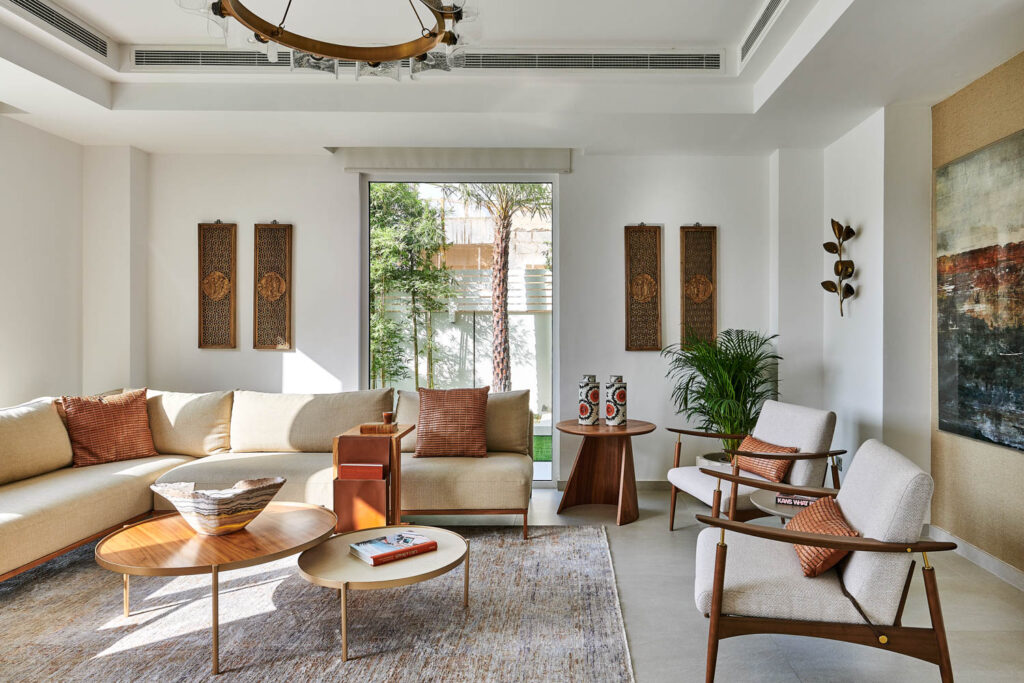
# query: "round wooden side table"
603, 472
168, 546
332, 565
764, 501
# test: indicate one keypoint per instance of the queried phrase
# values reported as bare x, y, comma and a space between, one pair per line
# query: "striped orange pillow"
772, 470
452, 422
823, 516
108, 428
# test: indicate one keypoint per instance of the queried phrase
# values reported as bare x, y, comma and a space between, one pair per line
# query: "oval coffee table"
332, 565
603, 472
168, 546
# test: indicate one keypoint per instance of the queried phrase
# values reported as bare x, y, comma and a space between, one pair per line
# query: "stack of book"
378, 428
793, 499
384, 549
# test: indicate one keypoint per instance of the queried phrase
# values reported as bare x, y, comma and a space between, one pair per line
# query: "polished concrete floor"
668, 636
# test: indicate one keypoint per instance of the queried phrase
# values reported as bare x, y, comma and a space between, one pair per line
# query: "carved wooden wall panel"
643, 288
217, 279
272, 287
698, 281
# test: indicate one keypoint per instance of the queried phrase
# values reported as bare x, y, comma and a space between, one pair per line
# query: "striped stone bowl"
219, 512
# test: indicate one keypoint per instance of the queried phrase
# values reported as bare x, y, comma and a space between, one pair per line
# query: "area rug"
544, 609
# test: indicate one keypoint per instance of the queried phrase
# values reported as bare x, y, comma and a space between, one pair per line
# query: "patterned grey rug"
545, 609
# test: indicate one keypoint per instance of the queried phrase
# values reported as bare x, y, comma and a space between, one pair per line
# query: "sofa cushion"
452, 422
190, 424
763, 579
309, 476
108, 428
822, 516
501, 481
770, 469
509, 420
32, 441
262, 422
702, 486
49, 512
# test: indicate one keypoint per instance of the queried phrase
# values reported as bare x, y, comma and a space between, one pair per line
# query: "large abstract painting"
979, 224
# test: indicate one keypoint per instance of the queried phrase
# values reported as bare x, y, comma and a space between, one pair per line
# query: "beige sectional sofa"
215, 439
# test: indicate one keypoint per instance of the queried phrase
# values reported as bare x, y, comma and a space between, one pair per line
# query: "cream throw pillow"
190, 424
306, 423
33, 441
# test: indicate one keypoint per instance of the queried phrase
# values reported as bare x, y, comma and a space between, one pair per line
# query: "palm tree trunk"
430, 350
502, 371
415, 345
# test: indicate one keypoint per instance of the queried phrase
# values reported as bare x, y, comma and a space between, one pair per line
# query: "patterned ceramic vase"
615, 401
590, 400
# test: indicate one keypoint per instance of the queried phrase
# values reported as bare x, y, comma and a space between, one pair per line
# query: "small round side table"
603, 471
765, 501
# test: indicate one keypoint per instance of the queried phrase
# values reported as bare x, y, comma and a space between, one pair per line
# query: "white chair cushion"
763, 579
884, 496
310, 476
702, 486
808, 429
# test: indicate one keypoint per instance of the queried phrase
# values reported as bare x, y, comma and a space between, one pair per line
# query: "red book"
352, 470
378, 551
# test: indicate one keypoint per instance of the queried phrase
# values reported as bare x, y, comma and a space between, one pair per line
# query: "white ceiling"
548, 24
825, 65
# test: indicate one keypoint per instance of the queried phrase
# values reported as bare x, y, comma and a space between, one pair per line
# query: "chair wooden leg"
716, 503
716, 612
672, 508
835, 475
526, 526
931, 590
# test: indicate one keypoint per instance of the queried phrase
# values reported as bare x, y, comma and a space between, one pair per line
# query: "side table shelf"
368, 497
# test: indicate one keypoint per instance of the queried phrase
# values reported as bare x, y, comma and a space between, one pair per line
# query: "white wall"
322, 202
115, 218
41, 263
853, 344
796, 189
908, 281
601, 196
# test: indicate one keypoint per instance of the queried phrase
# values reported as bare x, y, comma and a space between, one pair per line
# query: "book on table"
384, 549
794, 499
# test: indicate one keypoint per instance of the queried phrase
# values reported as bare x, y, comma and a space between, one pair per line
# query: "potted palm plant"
720, 384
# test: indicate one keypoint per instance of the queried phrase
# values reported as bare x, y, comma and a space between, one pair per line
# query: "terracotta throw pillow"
772, 470
452, 422
108, 428
823, 516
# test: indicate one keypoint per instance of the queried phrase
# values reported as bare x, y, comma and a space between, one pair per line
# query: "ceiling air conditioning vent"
160, 59
64, 24
767, 14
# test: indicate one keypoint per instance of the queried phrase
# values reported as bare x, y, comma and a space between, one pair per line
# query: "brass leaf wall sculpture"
843, 269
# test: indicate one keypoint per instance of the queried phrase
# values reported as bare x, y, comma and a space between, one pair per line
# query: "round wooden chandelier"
443, 16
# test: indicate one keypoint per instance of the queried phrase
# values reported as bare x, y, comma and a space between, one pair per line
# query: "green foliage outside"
406, 234
541, 448
721, 384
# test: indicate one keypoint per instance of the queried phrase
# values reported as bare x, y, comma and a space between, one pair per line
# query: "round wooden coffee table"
168, 546
332, 565
603, 472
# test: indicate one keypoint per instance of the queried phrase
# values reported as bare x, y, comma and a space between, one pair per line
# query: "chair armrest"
708, 435
784, 456
771, 485
851, 543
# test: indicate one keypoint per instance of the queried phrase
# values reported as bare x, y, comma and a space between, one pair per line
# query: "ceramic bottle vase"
615, 402
590, 400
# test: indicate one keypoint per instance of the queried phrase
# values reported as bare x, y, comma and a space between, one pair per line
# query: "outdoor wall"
977, 484
601, 196
852, 344
322, 202
41, 262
